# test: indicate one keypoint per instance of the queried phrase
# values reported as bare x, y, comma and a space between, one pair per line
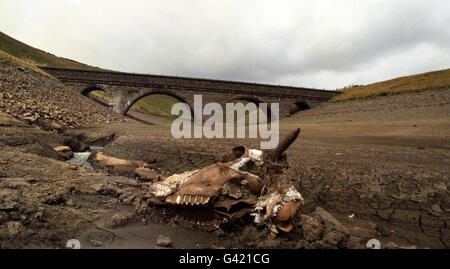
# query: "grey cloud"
323, 44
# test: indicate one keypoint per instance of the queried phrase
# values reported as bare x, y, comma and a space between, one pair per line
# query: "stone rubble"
38, 99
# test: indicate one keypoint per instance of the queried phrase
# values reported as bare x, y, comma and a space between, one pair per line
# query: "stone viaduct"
124, 89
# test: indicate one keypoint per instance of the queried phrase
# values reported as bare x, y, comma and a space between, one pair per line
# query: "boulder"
64, 152
96, 243
322, 230
163, 241
14, 228
335, 233
312, 228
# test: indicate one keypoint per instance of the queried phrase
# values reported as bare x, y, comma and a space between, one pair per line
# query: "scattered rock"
355, 242
436, 208
7, 205
96, 243
64, 152
54, 199
73, 167
322, 230
14, 228
55, 125
119, 220
163, 241
311, 227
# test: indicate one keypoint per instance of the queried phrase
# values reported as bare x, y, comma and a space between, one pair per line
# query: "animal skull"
246, 181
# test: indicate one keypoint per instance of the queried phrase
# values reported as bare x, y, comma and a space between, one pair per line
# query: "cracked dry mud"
367, 169
390, 176
395, 190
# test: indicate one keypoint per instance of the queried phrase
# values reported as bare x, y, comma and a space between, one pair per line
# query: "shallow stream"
80, 158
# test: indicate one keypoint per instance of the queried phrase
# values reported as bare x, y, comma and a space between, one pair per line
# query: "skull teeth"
187, 199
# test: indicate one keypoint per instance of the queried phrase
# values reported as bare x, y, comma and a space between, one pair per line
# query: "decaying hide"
247, 181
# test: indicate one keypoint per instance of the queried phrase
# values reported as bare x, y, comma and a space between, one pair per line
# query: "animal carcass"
247, 181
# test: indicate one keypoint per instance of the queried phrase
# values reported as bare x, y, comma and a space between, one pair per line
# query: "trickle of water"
80, 158
94, 148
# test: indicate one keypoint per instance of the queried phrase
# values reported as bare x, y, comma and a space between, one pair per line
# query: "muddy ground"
380, 167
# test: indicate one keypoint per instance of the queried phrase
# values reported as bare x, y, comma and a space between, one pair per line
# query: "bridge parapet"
182, 88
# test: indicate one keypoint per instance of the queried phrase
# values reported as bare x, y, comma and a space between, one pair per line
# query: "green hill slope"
426, 81
37, 56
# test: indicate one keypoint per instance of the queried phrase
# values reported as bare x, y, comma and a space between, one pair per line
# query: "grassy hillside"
156, 104
100, 95
426, 81
23, 63
36, 56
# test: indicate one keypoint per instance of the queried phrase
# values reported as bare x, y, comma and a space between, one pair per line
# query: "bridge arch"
256, 101
97, 94
299, 106
87, 89
135, 99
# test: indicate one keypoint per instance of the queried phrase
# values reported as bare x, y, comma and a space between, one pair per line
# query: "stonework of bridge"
124, 89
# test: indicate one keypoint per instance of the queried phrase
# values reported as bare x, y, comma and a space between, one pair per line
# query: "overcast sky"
320, 44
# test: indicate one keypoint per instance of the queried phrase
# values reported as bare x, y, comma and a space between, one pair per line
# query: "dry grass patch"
426, 81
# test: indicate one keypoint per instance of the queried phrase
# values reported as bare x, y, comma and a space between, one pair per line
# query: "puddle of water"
80, 158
